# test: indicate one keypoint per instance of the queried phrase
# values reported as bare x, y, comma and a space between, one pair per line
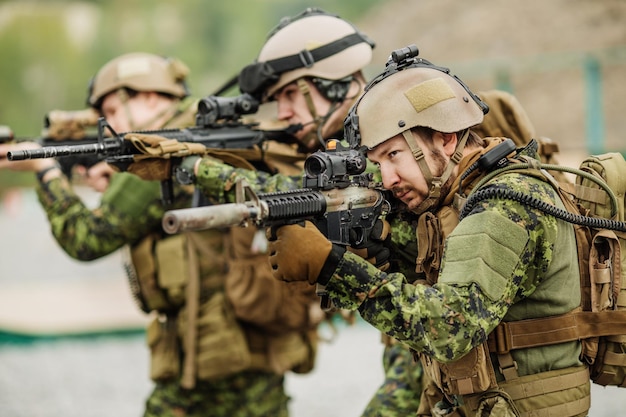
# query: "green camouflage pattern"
129, 210
399, 394
246, 394
217, 180
448, 319
87, 234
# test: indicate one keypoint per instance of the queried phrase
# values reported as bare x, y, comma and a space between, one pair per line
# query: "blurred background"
71, 339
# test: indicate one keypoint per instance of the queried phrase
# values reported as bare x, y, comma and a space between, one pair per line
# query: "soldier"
310, 68
502, 261
224, 333
314, 97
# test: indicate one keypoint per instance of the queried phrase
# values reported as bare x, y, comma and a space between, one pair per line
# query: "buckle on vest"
502, 338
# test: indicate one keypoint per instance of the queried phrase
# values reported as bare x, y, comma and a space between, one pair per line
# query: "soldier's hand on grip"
300, 252
375, 249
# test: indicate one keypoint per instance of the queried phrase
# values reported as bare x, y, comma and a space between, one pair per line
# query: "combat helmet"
139, 72
412, 92
313, 44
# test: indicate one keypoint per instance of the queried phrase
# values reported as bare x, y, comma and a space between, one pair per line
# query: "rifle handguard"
154, 146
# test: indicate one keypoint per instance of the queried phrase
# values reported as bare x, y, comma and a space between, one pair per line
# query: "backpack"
595, 205
507, 118
605, 290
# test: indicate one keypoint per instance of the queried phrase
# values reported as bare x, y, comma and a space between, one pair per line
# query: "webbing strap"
572, 408
520, 390
192, 294
592, 195
306, 58
523, 391
545, 331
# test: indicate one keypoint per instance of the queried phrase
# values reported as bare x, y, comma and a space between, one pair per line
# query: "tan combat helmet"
413, 92
312, 44
139, 72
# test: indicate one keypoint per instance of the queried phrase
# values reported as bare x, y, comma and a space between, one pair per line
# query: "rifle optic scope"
335, 165
227, 107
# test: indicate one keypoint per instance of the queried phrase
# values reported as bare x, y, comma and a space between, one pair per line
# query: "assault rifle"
62, 128
342, 201
338, 197
219, 124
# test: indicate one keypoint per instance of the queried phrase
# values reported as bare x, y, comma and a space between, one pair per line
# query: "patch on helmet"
133, 67
428, 93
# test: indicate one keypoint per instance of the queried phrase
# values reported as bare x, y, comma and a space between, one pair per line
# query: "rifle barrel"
208, 217
55, 151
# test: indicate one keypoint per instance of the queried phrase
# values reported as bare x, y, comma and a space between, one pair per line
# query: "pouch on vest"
607, 264
562, 392
158, 271
172, 266
222, 348
473, 373
165, 357
293, 352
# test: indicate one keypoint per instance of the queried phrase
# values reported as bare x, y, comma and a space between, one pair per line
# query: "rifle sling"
544, 331
252, 154
190, 341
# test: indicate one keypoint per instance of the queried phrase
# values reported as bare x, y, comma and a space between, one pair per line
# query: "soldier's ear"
449, 142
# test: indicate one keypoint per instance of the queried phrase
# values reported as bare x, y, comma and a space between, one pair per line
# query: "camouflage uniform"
528, 253
90, 234
399, 394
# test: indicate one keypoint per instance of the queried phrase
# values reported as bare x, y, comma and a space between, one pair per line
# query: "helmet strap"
317, 120
125, 98
435, 184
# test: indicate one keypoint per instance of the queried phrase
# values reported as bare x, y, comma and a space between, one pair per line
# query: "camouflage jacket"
87, 234
503, 262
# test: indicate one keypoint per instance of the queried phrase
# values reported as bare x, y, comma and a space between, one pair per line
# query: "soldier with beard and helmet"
486, 255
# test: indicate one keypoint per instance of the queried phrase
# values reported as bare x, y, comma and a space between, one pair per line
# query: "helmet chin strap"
434, 183
124, 98
318, 120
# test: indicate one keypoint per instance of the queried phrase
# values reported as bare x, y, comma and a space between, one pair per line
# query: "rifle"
219, 125
62, 128
338, 197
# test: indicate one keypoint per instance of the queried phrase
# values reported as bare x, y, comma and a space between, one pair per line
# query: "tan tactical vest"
485, 382
201, 330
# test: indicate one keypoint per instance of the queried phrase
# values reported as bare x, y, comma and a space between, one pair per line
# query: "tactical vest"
487, 380
200, 331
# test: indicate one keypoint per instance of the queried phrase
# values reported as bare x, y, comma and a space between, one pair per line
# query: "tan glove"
375, 249
302, 253
154, 160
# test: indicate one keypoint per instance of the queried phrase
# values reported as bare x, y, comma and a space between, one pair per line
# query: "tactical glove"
375, 248
300, 252
154, 160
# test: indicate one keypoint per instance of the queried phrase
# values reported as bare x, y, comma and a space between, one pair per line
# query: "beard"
440, 164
